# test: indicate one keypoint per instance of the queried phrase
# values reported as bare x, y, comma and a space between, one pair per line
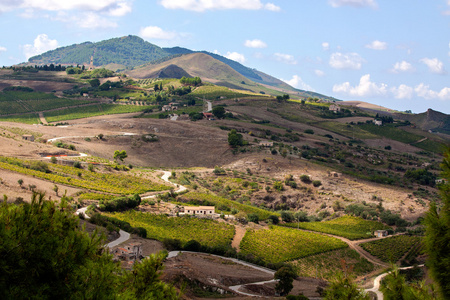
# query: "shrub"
309, 131
274, 219
253, 218
287, 216
317, 183
192, 245
305, 178
278, 185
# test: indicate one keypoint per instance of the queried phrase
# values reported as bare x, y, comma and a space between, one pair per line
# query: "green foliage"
421, 176
121, 203
353, 228
278, 185
274, 219
187, 228
393, 248
120, 155
219, 112
343, 287
235, 139
285, 277
279, 244
287, 216
45, 256
191, 81
437, 238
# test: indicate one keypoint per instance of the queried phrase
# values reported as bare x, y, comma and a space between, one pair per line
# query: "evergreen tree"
437, 238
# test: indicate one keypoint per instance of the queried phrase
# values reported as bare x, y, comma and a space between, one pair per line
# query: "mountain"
128, 51
429, 120
144, 60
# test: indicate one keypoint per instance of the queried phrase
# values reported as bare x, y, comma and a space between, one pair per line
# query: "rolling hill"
132, 55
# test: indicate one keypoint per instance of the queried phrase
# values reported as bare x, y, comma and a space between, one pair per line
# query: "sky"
394, 54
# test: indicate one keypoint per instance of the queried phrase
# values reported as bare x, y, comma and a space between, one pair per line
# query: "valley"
295, 181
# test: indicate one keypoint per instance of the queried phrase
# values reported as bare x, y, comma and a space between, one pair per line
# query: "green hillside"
129, 51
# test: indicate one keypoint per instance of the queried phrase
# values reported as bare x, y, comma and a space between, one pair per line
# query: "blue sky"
390, 53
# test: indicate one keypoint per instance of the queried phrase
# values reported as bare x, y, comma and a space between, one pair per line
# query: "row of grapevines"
353, 228
279, 244
205, 231
393, 248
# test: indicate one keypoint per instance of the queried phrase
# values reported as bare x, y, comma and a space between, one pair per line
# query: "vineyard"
17, 102
279, 244
224, 204
325, 265
352, 228
122, 184
91, 111
214, 92
25, 118
393, 248
205, 231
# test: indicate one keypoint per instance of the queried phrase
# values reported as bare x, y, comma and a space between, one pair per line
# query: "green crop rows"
393, 248
350, 227
91, 111
208, 199
279, 244
104, 182
205, 231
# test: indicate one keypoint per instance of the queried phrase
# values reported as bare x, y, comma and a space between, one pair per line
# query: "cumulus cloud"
434, 65
298, 83
346, 61
236, 57
204, 5
365, 88
377, 45
2, 49
42, 43
285, 58
402, 92
319, 73
93, 20
255, 44
402, 66
425, 92
354, 3
326, 46
155, 32
111, 7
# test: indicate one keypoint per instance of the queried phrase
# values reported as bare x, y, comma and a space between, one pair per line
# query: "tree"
120, 155
235, 139
94, 82
219, 112
437, 237
45, 256
56, 189
20, 182
342, 287
285, 277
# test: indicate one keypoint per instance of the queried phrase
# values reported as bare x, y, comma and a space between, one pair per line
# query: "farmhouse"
129, 252
441, 181
266, 144
378, 122
380, 233
208, 116
28, 137
335, 108
199, 210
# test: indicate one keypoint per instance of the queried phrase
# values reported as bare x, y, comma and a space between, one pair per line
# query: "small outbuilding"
381, 233
208, 116
28, 137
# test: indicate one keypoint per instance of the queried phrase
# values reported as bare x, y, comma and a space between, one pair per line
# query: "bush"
317, 183
172, 244
287, 216
192, 245
309, 131
278, 185
305, 178
274, 219
253, 218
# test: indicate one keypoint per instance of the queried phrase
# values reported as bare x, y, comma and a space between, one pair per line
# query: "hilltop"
131, 52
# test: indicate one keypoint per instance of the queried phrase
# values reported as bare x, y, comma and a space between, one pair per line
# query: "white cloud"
319, 73
285, 58
434, 65
402, 92
377, 45
326, 46
204, 5
236, 57
2, 49
298, 83
41, 44
216, 52
93, 20
346, 61
155, 32
366, 88
354, 3
425, 92
255, 44
402, 66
